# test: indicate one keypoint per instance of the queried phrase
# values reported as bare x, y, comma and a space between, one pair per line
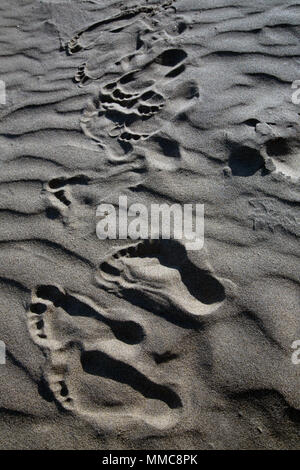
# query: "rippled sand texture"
123, 344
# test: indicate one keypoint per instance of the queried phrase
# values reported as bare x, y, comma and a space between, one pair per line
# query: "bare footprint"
94, 367
124, 113
161, 273
59, 190
124, 20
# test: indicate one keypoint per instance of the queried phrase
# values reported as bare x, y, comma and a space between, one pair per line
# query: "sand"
123, 344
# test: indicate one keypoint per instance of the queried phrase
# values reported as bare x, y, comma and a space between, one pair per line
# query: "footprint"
57, 183
94, 367
159, 274
129, 108
129, 101
128, 332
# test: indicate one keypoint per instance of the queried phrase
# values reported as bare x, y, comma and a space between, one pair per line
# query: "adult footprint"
95, 366
285, 156
160, 275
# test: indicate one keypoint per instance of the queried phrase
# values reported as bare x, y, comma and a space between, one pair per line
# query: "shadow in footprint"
169, 148
245, 161
102, 365
176, 72
171, 57
129, 332
57, 183
52, 213
277, 147
44, 391
200, 284
165, 357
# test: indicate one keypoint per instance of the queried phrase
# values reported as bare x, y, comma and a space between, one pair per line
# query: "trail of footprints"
92, 361
86, 349
93, 364
127, 110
